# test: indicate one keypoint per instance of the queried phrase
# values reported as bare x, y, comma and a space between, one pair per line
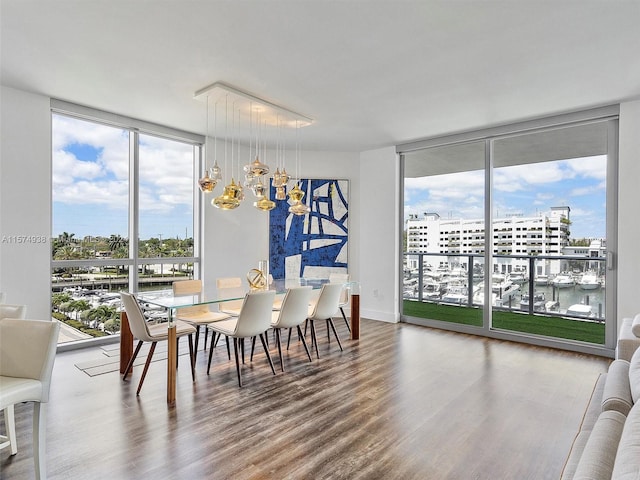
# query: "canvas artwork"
312, 245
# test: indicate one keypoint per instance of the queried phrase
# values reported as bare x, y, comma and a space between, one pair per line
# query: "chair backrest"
28, 350
255, 315
12, 311
228, 282
295, 307
234, 285
341, 278
188, 287
328, 301
137, 322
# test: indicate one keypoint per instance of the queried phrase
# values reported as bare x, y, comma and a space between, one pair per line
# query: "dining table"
210, 295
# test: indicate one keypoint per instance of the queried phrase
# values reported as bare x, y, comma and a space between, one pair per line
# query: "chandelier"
257, 132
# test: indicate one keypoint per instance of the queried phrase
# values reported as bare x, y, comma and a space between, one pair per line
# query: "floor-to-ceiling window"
124, 214
523, 217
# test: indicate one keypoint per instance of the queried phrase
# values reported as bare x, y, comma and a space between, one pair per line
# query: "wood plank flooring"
403, 402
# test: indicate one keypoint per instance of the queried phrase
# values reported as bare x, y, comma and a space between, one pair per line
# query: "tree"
79, 306
57, 299
116, 242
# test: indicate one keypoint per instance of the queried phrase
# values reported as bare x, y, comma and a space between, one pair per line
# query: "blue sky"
528, 190
91, 187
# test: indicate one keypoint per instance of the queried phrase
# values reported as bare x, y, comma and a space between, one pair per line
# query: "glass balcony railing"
558, 296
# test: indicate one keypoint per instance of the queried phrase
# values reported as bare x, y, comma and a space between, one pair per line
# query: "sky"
91, 187
527, 190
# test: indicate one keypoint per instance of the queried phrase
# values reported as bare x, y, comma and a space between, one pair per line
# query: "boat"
539, 302
581, 310
563, 280
455, 294
589, 281
541, 280
504, 288
478, 298
518, 276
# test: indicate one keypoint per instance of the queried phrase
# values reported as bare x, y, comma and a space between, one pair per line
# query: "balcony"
576, 312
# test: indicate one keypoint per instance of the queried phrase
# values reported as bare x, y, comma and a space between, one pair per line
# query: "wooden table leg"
126, 342
172, 364
355, 317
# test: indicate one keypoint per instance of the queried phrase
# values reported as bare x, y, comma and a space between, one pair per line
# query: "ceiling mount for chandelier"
262, 117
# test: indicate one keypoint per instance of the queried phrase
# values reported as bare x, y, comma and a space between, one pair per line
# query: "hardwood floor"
403, 402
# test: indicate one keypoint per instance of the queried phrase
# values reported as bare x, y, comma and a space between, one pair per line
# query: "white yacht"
589, 281
504, 288
581, 310
542, 280
563, 280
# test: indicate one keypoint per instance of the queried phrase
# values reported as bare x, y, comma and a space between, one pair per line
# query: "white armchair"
27, 354
12, 311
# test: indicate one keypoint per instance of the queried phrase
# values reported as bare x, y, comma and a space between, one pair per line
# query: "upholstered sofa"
607, 445
629, 338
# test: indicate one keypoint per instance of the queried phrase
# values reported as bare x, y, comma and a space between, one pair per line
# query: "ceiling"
370, 73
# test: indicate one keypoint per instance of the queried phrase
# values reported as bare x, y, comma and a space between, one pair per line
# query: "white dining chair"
342, 278
324, 309
292, 313
27, 354
254, 319
12, 311
197, 315
151, 333
229, 286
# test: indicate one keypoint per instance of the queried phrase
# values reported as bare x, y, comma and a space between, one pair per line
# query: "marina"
574, 295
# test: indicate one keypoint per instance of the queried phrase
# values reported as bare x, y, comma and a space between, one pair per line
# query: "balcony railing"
571, 287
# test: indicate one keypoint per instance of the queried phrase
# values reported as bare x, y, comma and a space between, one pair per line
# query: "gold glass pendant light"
295, 197
261, 116
229, 198
207, 183
264, 204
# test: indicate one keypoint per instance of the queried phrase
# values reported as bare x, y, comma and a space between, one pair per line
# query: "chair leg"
146, 366
192, 356
253, 347
266, 351
304, 342
333, 327
133, 357
197, 341
235, 351
345, 318
314, 340
228, 349
276, 331
10, 425
39, 431
211, 350
289, 338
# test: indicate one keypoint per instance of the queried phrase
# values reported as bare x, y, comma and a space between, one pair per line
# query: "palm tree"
102, 313
116, 242
79, 306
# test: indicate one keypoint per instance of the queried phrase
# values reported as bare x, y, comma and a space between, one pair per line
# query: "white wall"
25, 205
379, 238
628, 213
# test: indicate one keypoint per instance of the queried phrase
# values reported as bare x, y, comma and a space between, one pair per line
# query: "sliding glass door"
508, 231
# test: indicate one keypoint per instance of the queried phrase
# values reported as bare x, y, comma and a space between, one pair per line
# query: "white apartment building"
543, 234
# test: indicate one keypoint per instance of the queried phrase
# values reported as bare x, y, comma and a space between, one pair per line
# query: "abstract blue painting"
312, 245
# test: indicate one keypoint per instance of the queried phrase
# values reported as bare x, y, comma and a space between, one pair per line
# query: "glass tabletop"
211, 294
